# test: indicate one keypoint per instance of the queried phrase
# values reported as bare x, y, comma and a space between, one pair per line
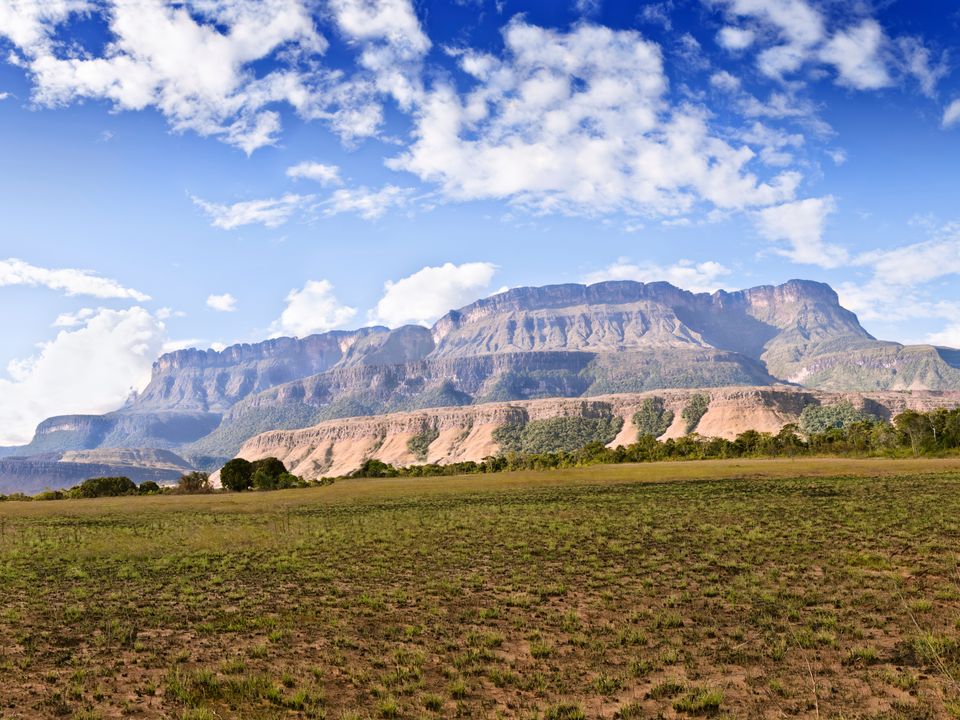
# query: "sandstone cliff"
337, 447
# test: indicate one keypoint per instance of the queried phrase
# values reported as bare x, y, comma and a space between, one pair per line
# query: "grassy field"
748, 589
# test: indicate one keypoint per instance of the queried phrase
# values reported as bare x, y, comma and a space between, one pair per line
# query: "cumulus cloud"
271, 213
318, 172
197, 62
686, 274
312, 309
91, 369
855, 54
801, 225
70, 281
733, 38
423, 297
368, 204
578, 122
796, 33
222, 303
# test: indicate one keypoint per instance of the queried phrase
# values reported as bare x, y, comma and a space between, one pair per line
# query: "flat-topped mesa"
618, 315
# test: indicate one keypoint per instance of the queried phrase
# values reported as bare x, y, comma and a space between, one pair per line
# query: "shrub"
652, 418
694, 411
148, 487
104, 487
194, 482
419, 444
237, 475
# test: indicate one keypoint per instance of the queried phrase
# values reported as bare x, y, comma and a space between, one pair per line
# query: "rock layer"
337, 447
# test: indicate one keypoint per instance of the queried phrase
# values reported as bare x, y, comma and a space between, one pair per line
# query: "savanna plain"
751, 589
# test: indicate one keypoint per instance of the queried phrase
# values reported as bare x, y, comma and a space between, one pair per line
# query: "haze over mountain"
526, 343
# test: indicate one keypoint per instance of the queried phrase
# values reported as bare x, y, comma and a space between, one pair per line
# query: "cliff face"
559, 341
337, 447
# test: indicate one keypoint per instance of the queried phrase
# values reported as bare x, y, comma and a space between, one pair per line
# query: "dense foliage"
912, 433
653, 418
561, 434
237, 475
820, 418
694, 411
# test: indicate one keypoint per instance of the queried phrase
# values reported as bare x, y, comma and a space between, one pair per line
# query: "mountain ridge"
568, 340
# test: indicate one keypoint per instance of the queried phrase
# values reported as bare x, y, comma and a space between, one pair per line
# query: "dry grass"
764, 588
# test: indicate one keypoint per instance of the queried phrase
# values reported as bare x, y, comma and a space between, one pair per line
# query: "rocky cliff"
559, 341
337, 447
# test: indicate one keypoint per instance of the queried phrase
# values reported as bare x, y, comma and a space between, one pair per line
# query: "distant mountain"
526, 343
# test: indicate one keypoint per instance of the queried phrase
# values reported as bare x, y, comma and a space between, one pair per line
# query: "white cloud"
856, 55
4, 96
774, 145
318, 172
951, 116
222, 303
271, 213
68, 280
393, 44
579, 122
75, 318
725, 81
92, 369
312, 309
429, 293
801, 224
368, 204
916, 263
733, 38
685, 274
192, 64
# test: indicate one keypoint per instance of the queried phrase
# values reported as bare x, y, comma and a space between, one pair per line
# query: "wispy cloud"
70, 281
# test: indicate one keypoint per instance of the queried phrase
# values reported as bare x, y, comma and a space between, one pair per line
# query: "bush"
694, 411
419, 445
237, 475
652, 418
104, 487
148, 487
194, 482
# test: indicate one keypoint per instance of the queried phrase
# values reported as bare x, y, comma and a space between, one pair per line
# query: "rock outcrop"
337, 447
559, 341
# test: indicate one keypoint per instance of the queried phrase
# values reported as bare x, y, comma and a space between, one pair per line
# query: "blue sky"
219, 171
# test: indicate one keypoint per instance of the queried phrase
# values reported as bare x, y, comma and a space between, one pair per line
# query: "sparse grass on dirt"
767, 589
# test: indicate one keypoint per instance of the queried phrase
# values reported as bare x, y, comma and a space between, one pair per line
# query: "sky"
205, 172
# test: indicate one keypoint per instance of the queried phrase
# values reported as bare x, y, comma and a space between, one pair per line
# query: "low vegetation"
790, 588
560, 434
694, 410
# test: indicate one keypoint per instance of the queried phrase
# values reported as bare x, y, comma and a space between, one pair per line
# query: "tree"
194, 482
237, 475
148, 487
695, 410
820, 418
105, 487
652, 418
266, 473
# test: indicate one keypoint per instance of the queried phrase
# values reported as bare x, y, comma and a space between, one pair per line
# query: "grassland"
749, 589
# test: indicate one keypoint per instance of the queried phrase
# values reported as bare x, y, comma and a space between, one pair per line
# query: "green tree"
820, 418
194, 482
267, 473
696, 408
653, 418
237, 475
105, 487
148, 487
